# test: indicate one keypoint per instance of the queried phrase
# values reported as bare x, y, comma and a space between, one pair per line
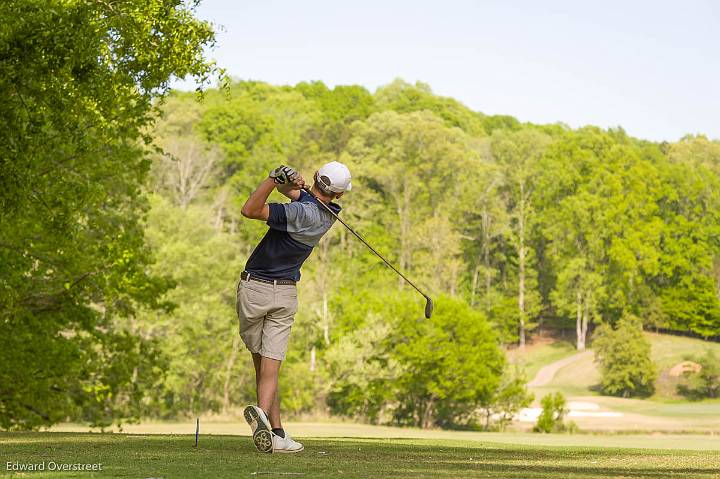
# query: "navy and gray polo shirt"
295, 229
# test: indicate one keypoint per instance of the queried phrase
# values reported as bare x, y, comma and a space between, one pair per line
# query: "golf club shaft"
327, 208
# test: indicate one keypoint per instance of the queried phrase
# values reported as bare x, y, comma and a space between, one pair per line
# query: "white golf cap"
335, 177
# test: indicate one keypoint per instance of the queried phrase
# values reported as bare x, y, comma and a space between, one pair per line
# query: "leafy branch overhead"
80, 81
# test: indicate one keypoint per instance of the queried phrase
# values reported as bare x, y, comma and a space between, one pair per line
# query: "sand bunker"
684, 367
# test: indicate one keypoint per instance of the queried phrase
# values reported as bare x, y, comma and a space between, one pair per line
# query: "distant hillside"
579, 377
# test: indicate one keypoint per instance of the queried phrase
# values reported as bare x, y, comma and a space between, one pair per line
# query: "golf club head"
428, 307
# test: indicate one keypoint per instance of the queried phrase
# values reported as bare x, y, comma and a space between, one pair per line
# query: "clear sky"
652, 67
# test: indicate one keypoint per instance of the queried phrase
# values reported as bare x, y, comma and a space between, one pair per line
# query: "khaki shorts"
266, 313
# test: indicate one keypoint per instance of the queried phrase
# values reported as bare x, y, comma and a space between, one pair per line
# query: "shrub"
623, 355
704, 383
552, 417
509, 398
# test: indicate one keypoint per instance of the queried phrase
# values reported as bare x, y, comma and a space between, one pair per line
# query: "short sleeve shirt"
295, 229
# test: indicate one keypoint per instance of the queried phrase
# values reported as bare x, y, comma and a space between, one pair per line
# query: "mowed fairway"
233, 456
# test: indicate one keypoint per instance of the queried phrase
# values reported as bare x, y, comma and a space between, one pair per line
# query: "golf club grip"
327, 208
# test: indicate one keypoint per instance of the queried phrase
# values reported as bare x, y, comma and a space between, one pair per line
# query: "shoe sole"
288, 451
262, 436
263, 441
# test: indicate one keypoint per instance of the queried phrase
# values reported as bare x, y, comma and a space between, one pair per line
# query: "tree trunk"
521, 269
325, 319
427, 415
343, 242
220, 210
323, 286
404, 213
486, 255
579, 322
228, 374
473, 291
586, 320
453, 280
312, 359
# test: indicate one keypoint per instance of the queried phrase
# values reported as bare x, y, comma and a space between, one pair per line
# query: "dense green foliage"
78, 81
451, 363
525, 224
552, 416
623, 354
400, 369
121, 239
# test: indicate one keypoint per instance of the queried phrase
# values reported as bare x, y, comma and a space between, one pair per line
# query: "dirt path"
547, 373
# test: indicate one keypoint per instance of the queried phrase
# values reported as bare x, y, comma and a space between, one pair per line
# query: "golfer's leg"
268, 390
274, 410
276, 334
256, 362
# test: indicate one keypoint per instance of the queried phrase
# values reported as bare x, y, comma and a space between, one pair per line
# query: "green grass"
668, 350
578, 378
581, 377
538, 355
234, 456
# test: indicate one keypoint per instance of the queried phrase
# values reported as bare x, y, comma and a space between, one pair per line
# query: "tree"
451, 364
688, 279
340, 107
518, 155
403, 97
186, 167
484, 227
409, 161
186, 164
200, 337
623, 354
601, 221
579, 291
80, 81
509, 398
363, 371
552, 417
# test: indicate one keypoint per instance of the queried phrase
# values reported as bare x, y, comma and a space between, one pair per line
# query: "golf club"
428, 301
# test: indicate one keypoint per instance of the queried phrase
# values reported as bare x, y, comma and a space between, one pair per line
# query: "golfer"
266, 293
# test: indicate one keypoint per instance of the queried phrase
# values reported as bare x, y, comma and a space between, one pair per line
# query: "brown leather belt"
245, 276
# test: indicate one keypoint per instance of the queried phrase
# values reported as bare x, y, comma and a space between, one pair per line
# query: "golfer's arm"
287, 190
256, 205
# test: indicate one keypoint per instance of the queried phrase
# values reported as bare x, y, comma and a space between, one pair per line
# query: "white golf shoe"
286, 444
260, 426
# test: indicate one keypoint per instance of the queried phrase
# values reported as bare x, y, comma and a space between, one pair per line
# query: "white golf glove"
284, 174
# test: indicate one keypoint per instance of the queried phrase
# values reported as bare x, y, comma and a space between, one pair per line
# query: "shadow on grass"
522, 462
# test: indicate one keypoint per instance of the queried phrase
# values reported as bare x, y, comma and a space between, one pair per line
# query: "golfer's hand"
283, 175
298, 183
